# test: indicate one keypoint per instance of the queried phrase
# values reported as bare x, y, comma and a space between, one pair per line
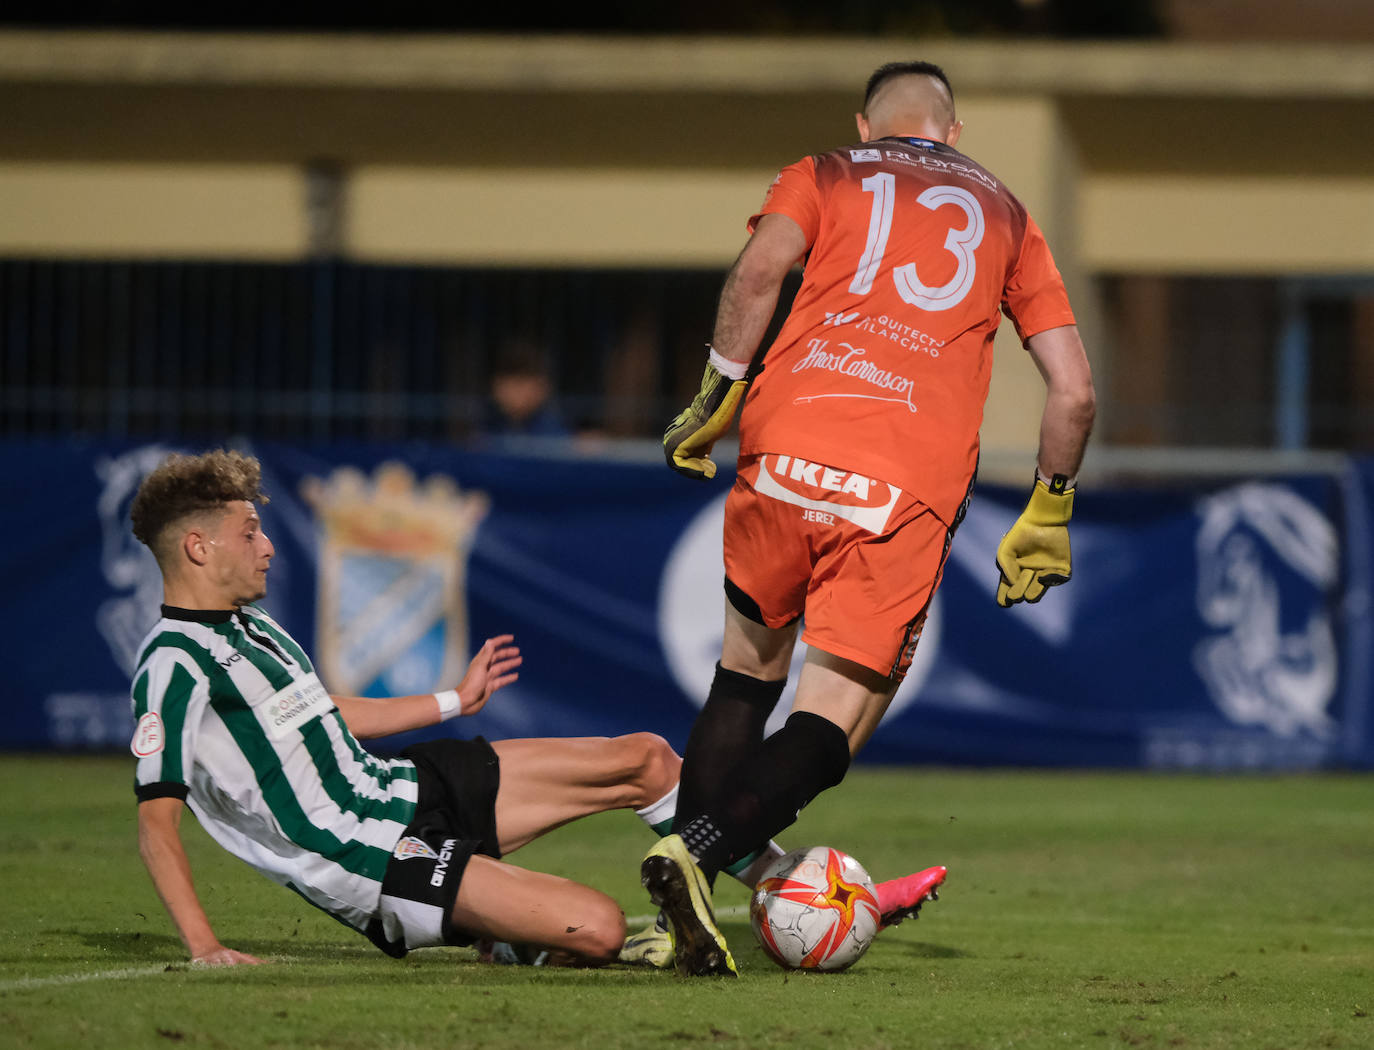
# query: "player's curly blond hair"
182, 486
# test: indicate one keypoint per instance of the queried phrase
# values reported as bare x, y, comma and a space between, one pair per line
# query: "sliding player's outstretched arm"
494, 667
159, 844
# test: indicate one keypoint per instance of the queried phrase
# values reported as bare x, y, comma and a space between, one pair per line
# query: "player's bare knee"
660, 767
602, 932
648, 765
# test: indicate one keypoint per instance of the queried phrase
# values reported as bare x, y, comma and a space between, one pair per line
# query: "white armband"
722, 364
450, 703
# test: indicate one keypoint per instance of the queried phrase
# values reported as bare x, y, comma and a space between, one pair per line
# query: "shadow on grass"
359, 959
439, 966
127, 946
924, 950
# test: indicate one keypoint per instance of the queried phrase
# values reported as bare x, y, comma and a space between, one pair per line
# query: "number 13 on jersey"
958, 242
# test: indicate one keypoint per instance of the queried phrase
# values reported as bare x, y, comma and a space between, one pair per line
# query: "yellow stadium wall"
583, 152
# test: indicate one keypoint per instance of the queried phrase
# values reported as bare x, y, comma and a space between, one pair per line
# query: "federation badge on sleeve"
392, 582
149, 736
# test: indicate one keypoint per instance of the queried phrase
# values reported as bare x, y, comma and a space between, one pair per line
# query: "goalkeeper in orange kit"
858, 449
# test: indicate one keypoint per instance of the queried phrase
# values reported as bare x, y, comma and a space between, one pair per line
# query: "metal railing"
327, 349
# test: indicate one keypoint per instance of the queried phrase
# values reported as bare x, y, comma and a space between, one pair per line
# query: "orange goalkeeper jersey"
883, 363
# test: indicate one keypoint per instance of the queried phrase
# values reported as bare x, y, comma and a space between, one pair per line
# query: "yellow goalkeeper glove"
687, 441
1034, 554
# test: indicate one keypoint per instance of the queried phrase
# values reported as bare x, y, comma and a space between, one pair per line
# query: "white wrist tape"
726, 367
450, 703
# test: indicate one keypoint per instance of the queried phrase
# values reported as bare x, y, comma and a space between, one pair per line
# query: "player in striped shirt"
233, 722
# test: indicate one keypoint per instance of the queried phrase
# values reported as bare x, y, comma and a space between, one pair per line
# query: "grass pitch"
1082, 910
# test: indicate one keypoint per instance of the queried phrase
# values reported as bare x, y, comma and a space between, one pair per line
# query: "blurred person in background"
858, 450
521, 399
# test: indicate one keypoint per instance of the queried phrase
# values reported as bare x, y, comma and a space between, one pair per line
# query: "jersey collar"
171, 612
919, 141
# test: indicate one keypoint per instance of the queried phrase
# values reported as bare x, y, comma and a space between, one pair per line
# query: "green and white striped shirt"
232, 718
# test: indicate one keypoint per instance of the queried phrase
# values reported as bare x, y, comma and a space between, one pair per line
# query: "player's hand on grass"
493, 668
688, 440
219, 955
1034, 554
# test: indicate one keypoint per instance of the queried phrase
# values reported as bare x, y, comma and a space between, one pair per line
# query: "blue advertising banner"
1225, 627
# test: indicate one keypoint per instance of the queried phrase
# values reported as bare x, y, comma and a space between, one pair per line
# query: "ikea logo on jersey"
818, 475
869, 505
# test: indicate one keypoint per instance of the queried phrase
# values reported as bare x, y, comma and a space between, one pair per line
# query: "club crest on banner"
128, 566
393, 579
1267, 571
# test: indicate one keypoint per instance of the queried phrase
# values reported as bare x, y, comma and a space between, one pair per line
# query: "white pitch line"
735, 911
80, 978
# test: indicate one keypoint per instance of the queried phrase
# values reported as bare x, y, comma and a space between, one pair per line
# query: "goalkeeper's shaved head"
183, 488
909, 98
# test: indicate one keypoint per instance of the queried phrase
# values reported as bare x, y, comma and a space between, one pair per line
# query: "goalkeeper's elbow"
1077, 406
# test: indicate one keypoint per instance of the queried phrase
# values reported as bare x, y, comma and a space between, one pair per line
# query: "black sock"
703, 840
726, 734
794, 765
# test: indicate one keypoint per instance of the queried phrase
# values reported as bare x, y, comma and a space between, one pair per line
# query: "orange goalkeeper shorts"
859, 557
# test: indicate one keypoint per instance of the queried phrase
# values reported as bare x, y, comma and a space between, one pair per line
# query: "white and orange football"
815, 909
